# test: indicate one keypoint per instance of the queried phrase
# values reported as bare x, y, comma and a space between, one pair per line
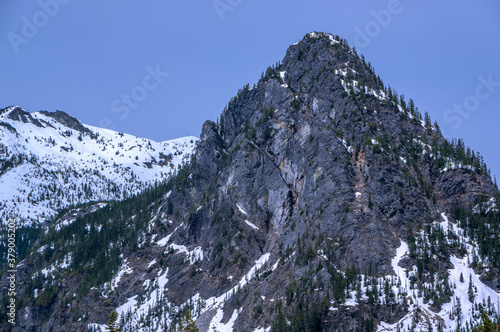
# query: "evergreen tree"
112, 324
486, 324
280, 323
412, 106
427, 120
187, 323
471, 290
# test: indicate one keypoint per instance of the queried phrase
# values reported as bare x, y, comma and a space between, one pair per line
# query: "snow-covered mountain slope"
470, 294
49, 161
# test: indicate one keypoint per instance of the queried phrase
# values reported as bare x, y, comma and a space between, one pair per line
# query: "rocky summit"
320, 200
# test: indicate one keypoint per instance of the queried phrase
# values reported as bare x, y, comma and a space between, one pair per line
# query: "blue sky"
179, 62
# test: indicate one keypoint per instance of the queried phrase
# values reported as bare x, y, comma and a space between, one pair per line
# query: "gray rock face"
67, 120
318, 159
18, 114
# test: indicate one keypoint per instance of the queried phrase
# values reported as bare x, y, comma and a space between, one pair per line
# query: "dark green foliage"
239, 96
25, 239
295, 103
12, 162
112, 324
470, 290
369, 325
306, 316
268, 113
482, 227
486, 324
187, 323
257, 310
428, 255
274, 72
280, 323
94, 242
456, 151
170, 206
182, 177
249, 131
46, 297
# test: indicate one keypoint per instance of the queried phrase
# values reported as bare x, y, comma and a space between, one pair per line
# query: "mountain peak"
16, 113
8, 109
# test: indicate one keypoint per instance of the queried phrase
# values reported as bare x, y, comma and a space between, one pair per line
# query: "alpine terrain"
49, 161
320, 200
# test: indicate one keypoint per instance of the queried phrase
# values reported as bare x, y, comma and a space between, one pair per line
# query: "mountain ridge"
40, 151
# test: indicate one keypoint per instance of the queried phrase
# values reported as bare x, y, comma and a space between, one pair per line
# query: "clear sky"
160, 68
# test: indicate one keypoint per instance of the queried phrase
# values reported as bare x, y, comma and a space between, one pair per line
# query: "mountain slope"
49, 161
319, 201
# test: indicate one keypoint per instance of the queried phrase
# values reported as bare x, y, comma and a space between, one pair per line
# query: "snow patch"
251, 225
217, 325
241, 209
